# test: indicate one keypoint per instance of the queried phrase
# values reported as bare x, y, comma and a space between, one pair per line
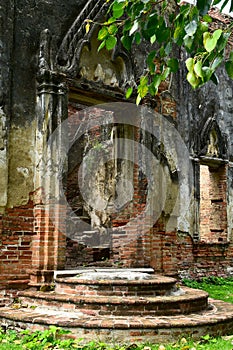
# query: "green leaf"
188, 42
203, 6
137, 8
193, 80
173, 64
112, 29
127, 25
102, 45
137, 38
143, 87
179, 35
207, 18
210, 41
118, 9
166, 73
168, 48
229, 68
111, 42
150, 27
207, 72
157, 80
110, 21
126, 42
118, 14
153, 89
198, 69
163, 35
217, 33
150, 61
222, 41
206, 337
142, 90
190, 64
153, 39
217, 61
103, 33
129, 92
162, 52
143, 80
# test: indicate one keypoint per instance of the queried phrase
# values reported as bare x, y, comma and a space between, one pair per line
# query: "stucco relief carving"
212, 142
73, 41
212, 149
102, 67
78, 55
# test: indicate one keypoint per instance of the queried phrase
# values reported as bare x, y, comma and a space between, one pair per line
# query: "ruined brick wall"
16, 232
29, 240
213, 214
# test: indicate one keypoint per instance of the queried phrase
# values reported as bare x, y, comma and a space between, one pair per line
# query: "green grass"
206, 343
217, 287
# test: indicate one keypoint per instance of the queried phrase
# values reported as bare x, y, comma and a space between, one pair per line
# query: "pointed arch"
77, 43
212, 142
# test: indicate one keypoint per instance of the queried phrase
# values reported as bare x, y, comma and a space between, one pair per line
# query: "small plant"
51, 338
59, 339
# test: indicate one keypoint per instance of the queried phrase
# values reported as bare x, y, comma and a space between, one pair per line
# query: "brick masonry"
32, 245
17, 233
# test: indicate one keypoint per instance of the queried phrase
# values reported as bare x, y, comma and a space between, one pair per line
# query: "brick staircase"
119, 306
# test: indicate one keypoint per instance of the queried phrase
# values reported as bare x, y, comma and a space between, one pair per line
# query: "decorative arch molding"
212, 142
76, 42
76, 36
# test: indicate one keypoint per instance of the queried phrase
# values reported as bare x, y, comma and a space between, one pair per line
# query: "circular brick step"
156, 285
118, 329
192, 300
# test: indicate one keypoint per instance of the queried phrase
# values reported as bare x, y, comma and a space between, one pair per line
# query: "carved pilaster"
49, 243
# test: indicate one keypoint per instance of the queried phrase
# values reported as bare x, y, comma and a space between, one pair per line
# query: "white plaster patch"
46, 311
23, 171
127, 275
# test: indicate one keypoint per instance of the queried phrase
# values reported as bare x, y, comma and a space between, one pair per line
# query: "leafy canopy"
166, 25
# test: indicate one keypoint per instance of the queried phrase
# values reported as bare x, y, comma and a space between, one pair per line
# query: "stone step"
192, 300
218, 320
155, 285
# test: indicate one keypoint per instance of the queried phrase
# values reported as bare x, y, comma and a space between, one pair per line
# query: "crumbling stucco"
21, 150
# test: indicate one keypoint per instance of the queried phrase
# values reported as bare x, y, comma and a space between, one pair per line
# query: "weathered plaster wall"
21, 23
20, 27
